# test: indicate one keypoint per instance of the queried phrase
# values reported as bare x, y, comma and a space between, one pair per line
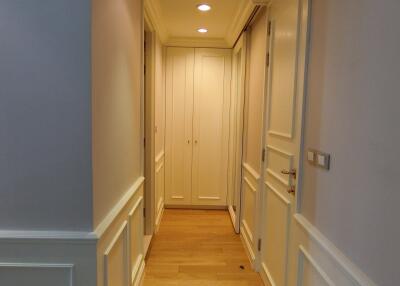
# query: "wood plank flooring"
198, 247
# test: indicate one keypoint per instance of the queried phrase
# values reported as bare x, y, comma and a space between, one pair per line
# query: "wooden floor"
198, 247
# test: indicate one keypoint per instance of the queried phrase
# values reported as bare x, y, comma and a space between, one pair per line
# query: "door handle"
292, 172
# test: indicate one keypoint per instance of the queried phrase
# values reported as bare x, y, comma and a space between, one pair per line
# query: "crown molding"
197, 42
152, 13
261, 2
245, 9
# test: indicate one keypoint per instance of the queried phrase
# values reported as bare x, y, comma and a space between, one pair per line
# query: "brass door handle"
290, 173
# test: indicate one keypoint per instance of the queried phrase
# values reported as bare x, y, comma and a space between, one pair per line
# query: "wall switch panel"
310, 156
319, 159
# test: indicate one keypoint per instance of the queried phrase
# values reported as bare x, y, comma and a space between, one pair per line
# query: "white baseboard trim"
325, 248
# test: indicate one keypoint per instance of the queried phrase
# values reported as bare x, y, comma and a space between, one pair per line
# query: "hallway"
198, 247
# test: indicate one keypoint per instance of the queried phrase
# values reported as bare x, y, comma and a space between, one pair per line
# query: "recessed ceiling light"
204, 7
202, 30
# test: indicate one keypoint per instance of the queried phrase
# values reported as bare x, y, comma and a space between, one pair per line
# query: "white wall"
352, 113
116, 89
45, 124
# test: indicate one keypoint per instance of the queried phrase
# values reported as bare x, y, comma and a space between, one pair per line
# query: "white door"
282, 136
211, 126
236, 131
178, 138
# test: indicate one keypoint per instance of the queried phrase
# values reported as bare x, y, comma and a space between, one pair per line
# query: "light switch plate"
319, 159
310, 156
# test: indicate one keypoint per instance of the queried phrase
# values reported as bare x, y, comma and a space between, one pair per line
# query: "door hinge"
144, 212
259, 245
144, 142
267, 60
263, 155
269, 28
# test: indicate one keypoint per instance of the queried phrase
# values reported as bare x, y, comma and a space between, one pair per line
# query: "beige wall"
116, 87
352, 113
159, 98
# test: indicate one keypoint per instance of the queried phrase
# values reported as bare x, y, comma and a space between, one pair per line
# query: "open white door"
236, 130
283, 129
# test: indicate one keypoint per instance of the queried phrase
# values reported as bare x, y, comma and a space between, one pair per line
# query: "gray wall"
353, 113
45, 116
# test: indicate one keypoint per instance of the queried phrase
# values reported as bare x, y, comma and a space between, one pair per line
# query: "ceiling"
177, 21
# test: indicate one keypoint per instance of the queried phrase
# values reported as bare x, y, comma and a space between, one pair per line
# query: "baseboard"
320, 256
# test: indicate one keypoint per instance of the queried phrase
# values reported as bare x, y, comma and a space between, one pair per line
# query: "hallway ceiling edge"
238, 16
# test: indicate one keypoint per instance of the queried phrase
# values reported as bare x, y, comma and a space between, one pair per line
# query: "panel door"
178, 138
236, 131
211, 126
282, 139
253, 129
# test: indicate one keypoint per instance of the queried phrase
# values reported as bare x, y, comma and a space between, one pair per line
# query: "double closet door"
197, 126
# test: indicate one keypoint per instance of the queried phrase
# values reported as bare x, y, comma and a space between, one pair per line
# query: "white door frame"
301, 71
149, 123
237, 126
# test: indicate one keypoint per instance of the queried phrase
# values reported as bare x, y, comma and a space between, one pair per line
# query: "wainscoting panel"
250, 187
120, 260
160, 187
22, 274
116, 259
320, 263
136, 241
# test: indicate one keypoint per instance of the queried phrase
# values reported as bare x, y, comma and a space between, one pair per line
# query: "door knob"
292, 172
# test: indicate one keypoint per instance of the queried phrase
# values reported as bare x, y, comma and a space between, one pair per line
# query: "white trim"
248, 231
245, 9
108, 220
137, 277
159, 156
248, 246
303, 254
251, 171
197, 42
152, 13
66, 266
266, 275
47, 235
123, 230
352, 272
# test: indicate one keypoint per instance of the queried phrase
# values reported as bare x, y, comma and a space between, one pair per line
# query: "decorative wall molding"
317, 243
251, 171
304, 255
122, 237
239, 21
197, 42
30, 236
160, 183
107, 221
152, 13
244, 234
136, 259
67, 278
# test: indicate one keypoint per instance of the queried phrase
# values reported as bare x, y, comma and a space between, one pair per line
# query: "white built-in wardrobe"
197, 126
